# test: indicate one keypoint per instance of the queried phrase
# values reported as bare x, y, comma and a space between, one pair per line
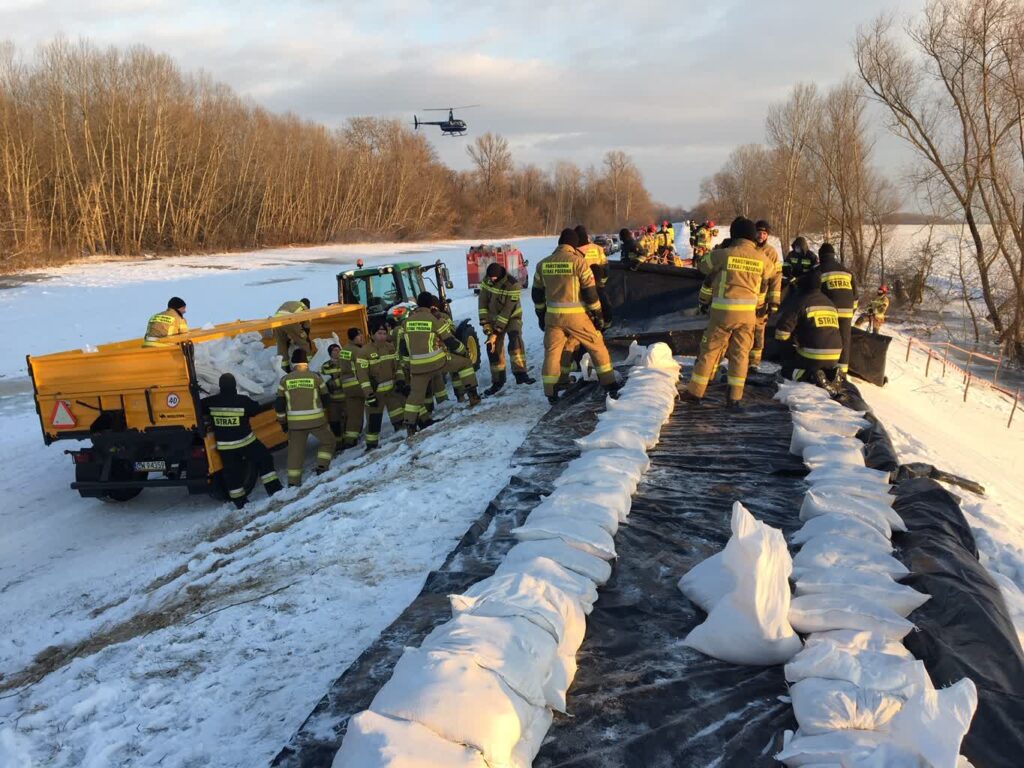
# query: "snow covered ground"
175, 631
929, 421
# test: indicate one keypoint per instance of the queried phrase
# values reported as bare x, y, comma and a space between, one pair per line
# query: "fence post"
928, 364
945, 357
999, 365
967, 368
967, 385
910, 343
1013, 410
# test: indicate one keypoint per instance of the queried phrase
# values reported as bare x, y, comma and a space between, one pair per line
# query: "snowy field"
176, 631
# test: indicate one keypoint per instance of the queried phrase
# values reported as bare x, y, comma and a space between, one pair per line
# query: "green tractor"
393, 288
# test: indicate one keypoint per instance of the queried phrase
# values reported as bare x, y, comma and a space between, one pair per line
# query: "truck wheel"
467, 335
219, 490
122, 470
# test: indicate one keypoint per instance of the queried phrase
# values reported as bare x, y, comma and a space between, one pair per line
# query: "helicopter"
450, 127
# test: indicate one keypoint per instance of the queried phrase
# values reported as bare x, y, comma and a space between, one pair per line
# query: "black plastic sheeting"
542, 457
878, 449
653, 303
640, 697
868, 353
965, 629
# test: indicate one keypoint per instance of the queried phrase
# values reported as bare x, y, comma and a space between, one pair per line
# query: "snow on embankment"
481, 689
859, 696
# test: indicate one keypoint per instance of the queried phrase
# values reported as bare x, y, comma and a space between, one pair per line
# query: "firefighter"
292, 337
431, 349
385, 374
355, 383
671, 232
772, 286
229, 414
568, 311
598, 262
629, 248
876, 310
799, 260
331, 372
736, 274
838, 284
300, 412
501, 316
170, 322
811, 320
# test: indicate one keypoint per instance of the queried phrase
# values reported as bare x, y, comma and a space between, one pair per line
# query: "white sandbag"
376, 741
856, 546
838, 748
573, 494
856, 640
822, 503
643, 426
821, 706
879, 494
594, 462
582, 534
569, 557
613, 437
841, 525
457, 699
835, 425
901, 675
844, 472
573, 584
803, 438
844, 552
827, 408
514, 648
598, 477
791, 392
519, 594
526, 750
933, 723
659, 355
563, 672
708, 582
820, 613
852, 452
633, 463
750, 625
873, 585
588, 512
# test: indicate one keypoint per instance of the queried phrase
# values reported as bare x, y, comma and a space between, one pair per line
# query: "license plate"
150, 466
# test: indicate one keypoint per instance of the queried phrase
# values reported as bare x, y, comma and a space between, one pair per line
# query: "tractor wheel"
122, 470
467, 335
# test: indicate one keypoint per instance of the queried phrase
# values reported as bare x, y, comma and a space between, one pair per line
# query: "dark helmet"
569, 237
426, 299
581, 233
299, 356
495, 271
227, 384
763, 226
744, 228
826, 249
306, 302
353, 332
333, 347
176, 303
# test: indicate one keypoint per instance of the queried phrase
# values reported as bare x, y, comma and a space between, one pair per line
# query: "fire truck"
479, 257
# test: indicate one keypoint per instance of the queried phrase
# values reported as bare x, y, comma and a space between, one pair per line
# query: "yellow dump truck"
140, 407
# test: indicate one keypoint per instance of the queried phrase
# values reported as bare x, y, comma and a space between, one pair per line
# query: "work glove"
703, 309
597, 320
762, 311
371, 401
284, 425
486, 327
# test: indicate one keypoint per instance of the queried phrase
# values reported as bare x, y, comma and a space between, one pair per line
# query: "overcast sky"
676, 84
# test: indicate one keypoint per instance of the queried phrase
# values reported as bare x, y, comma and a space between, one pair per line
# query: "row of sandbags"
481, 689
859, 697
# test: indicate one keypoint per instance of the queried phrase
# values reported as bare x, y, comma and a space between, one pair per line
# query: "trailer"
139, 408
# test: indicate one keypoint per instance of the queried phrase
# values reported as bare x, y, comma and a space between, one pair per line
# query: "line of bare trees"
955, 95
814, 173
120, 152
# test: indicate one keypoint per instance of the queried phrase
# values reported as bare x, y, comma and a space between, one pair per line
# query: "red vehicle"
479, 257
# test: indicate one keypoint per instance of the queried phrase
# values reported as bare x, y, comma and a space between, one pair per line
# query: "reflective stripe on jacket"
499, 303
300, 398
564, 285
164, 324
736, 274
811, 320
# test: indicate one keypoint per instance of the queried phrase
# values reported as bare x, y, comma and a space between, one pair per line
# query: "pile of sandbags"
481, 689
859, 696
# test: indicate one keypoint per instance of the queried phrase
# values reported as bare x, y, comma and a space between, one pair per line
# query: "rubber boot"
612, 391
474, 398
524, 378
410, 430
494, 389
273, 487
733, 405
239, 503
687, 396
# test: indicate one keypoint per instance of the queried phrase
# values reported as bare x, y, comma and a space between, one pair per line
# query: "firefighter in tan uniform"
170, 322
385, 375
501, 317
331, 372
597, 260
773, 286
300, 411
432, 349
736, 274
568, 310
355, 383
292, 337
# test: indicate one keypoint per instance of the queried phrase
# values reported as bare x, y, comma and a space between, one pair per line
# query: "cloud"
676, 84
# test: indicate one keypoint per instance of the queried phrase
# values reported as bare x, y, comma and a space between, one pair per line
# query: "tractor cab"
393, 288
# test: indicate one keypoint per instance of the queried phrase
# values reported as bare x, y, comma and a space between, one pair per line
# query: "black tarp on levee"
642, 699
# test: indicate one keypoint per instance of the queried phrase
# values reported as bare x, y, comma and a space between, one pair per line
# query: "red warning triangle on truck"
62, 417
